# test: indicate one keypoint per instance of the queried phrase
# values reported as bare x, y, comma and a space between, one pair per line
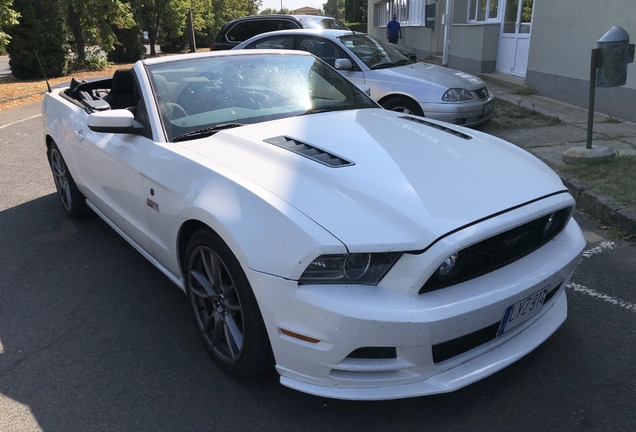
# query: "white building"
546, 42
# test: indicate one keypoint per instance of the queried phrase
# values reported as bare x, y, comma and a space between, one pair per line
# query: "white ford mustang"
367, 254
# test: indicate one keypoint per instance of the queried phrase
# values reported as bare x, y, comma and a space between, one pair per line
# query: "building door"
514, 42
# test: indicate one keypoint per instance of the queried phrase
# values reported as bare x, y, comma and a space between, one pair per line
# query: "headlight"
355, 268
457, 95
450, 266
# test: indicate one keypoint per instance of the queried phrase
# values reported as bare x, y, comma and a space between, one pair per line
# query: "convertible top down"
365, 253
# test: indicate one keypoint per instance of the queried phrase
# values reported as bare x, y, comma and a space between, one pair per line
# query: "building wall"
473, 47
563, 34
423, 41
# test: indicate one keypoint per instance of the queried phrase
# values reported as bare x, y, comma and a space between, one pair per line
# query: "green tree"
8, 18
174, 37
152, 12
272, 11
40, 31
334, 8
92, 21
355, 10
129, 46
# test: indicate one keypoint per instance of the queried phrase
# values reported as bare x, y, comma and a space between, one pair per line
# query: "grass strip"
615, 177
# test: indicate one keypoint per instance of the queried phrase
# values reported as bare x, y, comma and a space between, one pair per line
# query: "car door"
328, 51
111, 167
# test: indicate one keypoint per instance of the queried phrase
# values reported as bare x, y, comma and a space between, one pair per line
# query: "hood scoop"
309, 151
438, 127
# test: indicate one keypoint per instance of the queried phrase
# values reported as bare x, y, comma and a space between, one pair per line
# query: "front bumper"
345, 318
460, 113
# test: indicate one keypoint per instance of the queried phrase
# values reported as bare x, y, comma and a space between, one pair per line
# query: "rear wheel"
403, 105
225, 311
73, 202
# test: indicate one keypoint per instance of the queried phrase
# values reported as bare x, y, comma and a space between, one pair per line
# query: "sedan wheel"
403, 105
224, 308
72, 200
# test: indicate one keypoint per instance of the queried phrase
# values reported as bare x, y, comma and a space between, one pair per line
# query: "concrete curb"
604, 207
9, 99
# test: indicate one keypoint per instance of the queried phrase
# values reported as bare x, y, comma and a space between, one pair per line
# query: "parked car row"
396, 82
395, 79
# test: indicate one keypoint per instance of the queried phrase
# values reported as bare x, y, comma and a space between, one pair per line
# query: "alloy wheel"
60, 176
216, 304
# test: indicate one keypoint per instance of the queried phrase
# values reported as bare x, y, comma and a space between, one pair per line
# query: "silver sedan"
396, 82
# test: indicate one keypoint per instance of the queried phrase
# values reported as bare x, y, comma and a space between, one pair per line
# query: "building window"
482, 10
408, 12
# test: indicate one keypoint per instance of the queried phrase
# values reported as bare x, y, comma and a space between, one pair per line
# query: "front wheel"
72, 200
225, 311
403, 105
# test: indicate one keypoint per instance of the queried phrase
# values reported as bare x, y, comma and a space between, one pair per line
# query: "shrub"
130, 47
95, 61
40, 31
357, 26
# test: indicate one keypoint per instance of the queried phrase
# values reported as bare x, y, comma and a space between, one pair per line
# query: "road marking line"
585, 290
598, 249
20, 121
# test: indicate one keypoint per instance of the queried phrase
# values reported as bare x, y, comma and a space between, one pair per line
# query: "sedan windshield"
322, 23
374, 53
201, 96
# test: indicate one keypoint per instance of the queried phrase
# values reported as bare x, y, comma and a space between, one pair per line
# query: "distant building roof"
306, 10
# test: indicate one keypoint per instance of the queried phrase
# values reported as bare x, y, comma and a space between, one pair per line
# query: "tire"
404, 105
224, 309
72, 200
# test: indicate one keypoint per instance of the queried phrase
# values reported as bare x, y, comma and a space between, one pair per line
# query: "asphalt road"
94, 338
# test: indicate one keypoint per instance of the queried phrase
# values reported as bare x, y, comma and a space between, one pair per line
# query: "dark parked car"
241, 29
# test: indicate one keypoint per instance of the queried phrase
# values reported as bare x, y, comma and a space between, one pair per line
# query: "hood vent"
309, 151
439, 127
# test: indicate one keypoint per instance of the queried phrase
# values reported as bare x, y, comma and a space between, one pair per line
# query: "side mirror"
343, 64
114, 121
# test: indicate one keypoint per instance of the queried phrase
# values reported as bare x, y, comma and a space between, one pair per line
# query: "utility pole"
193, 43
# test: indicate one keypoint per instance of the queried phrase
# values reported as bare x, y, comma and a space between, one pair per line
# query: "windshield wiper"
400, 62
206, 132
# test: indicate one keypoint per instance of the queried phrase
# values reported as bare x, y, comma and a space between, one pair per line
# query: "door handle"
79, 134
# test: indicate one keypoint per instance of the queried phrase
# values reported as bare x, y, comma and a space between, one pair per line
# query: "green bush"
130, 48
95, 61
357, 26
174, 45
40, 31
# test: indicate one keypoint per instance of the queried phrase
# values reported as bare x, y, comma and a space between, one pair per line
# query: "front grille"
482, 92
309, 151
454, 347
500, 250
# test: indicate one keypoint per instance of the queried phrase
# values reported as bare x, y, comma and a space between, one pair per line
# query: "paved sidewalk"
549, 142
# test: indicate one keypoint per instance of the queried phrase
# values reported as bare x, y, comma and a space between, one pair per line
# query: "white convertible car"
367, 254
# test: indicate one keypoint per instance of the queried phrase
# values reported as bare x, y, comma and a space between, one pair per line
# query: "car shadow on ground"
93, 337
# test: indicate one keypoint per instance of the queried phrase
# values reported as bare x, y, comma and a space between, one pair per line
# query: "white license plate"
523, 310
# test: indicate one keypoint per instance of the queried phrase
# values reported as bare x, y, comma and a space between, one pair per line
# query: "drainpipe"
447, 21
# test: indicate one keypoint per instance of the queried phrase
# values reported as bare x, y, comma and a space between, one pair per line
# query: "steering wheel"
379, 58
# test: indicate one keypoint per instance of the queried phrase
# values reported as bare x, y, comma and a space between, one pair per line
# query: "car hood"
408, 183
442, 77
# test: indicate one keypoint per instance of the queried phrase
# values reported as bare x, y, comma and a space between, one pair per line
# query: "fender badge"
153, 205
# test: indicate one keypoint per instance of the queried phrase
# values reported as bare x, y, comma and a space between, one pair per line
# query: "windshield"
206, 94
323, 23
373, 53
